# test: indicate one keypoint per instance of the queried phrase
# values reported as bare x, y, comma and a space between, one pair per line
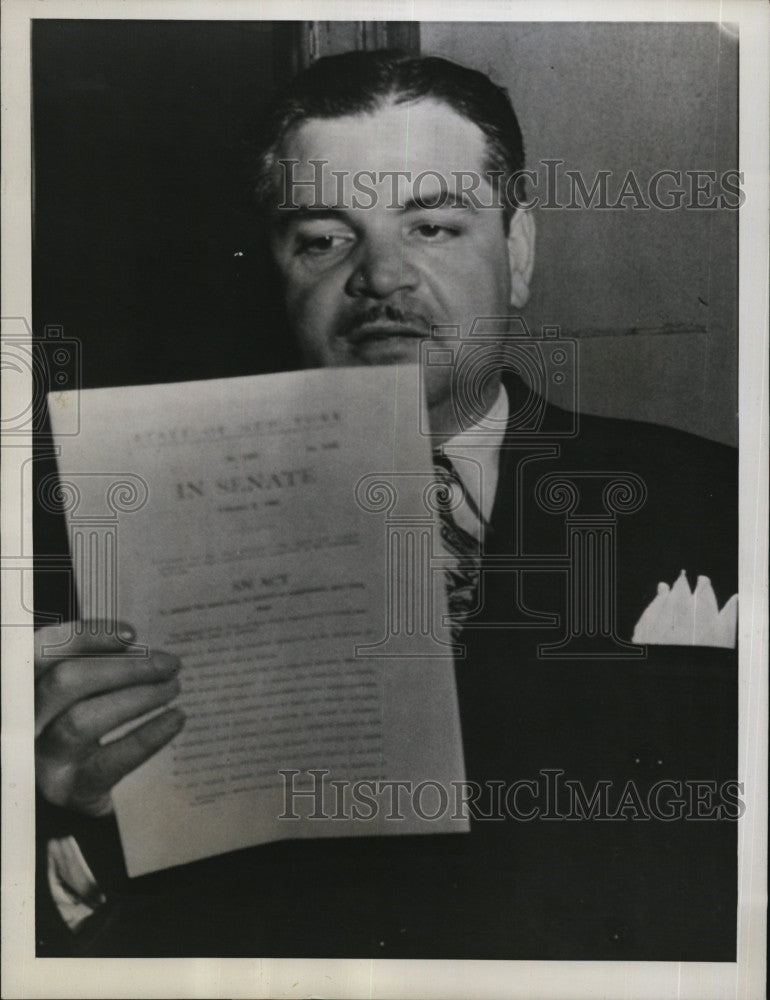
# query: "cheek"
306, 290
309, 296
491, 275
314, 306
476, 282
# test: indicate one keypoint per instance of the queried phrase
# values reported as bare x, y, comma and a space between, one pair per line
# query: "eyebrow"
300, 213
450, 201
284, 219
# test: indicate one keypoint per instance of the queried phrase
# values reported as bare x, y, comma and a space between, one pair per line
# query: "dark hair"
357, 82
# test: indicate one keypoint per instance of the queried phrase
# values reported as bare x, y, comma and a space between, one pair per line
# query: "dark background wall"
145, 243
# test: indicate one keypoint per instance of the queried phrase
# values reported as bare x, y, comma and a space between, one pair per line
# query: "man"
433, 236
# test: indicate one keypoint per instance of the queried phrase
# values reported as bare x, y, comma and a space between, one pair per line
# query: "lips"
384, 331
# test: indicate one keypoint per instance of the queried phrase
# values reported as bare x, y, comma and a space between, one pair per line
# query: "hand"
81, 696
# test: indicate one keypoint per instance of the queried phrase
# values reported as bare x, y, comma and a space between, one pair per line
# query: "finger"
55, 642
86, 722
107, 765
74, 680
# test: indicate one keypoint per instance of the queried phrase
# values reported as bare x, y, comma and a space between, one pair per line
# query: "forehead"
424, 135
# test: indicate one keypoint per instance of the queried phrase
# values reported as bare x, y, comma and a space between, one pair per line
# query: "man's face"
365, 282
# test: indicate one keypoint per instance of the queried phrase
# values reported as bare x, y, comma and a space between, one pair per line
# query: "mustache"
380, 317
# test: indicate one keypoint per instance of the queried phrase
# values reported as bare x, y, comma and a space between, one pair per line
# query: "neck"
447, 419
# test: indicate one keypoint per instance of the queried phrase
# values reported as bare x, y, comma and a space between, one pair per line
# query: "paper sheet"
252, 540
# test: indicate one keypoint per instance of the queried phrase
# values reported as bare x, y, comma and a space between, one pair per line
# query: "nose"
382, 269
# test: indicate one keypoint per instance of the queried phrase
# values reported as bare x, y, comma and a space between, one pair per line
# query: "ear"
521, 255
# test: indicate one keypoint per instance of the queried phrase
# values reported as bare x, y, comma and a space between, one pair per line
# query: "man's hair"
360, 82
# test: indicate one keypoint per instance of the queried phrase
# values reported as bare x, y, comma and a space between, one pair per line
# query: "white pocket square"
679, 616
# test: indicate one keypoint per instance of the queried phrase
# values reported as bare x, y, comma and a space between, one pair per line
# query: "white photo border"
26, 976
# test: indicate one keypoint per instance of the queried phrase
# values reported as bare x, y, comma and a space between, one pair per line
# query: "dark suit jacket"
629, 888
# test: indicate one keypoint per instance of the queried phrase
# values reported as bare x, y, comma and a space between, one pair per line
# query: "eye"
316, 246
433, 233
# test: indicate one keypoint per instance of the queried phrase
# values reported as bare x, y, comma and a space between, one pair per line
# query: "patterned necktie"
464, 572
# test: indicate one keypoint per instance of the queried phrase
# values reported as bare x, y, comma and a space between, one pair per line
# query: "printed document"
275, 533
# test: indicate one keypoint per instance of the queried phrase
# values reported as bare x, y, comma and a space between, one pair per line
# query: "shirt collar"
480, 445
492, 426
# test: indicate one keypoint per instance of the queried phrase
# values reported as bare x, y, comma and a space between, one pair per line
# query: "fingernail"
166, 663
